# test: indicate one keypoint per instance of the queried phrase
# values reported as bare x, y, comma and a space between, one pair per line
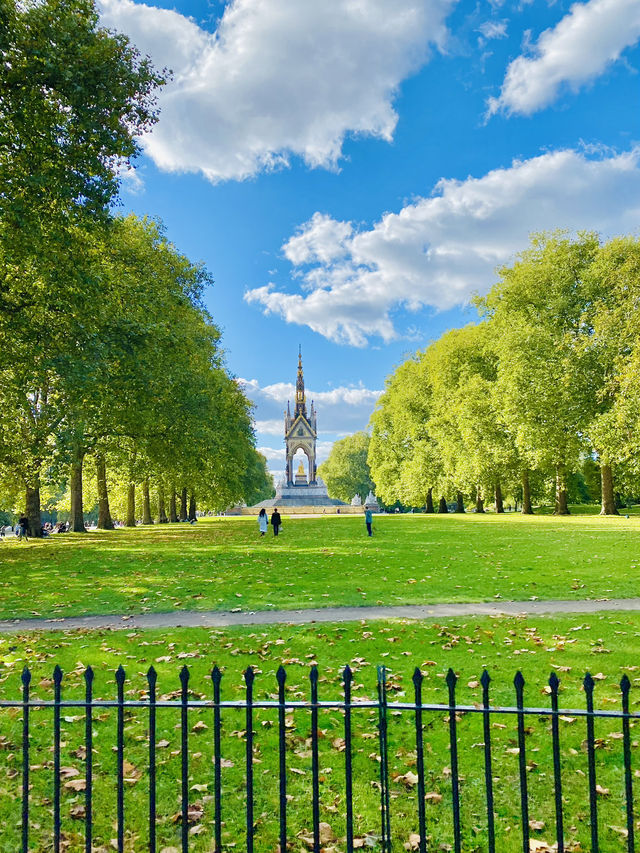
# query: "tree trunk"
479, 501
442, 506
162, 515
429, 506
608, 499
105, 522
131, 505
173, 509
146, 502
192, 507
183, 505
499, 501
459, 502
526, 494
32, 510
76, 522
562, 500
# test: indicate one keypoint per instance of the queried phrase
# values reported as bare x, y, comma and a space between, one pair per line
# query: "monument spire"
301, 400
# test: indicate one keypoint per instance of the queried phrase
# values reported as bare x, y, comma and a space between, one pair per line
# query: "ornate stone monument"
371, 502
300, 433
356, 500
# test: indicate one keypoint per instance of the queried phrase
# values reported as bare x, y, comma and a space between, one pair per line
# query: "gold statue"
301, 469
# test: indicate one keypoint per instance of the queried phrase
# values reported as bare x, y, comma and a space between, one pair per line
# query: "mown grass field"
606, 644
224, 564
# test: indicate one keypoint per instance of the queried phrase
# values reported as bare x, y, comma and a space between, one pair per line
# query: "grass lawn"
603, 643
224, 564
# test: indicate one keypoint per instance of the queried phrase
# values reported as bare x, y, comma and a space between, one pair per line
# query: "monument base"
293, 496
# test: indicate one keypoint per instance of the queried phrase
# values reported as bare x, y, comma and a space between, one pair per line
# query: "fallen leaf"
433, 797
413, 843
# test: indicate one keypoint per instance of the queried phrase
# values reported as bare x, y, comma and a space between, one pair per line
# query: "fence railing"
415, 710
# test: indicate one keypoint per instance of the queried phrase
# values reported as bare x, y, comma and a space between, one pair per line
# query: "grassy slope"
606, 643
224, 564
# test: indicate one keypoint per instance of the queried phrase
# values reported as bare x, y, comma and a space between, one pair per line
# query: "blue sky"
352, 171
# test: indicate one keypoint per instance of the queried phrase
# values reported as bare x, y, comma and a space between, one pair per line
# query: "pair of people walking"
263, 521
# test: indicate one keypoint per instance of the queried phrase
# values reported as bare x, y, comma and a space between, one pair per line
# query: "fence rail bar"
625, 686
184, 764
336, 704
418, 678
120, 679
488, 772
249, 677
57, 688
152, 680
26, 680
315, 768
347, 677
216, 678
88, 771
554, 684
589, 685
453, 745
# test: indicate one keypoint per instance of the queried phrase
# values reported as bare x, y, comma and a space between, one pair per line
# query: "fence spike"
588, 683
347, 674
554, 682
418, 677
451, 679
184, 675
281, 675
152, 676
88, 675
216, 675
485, 679
249, 676
625, 684
57, 675
313, 674
26, 676
519, 682
120, 675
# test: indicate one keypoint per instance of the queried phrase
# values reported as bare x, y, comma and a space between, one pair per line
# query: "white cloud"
587, 40
437, 251
277, 78
493, 29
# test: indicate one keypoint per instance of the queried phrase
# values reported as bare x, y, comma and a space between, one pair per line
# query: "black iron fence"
416, 712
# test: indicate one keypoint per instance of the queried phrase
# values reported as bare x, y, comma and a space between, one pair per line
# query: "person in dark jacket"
23, 525
276, 521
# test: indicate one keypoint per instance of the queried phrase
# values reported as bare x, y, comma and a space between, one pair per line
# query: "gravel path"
224, 619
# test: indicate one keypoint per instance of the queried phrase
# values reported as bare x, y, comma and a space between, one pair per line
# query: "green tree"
346, 471
73, 99
548, 381
404, 458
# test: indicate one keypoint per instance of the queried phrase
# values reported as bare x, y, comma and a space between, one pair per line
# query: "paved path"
225, 619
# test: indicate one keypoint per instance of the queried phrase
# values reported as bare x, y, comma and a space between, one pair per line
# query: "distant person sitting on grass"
263, 521
276, 521
368, 520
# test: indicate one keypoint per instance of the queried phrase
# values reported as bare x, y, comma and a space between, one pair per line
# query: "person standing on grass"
23, 528
263, 521
276, 521
368, 520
